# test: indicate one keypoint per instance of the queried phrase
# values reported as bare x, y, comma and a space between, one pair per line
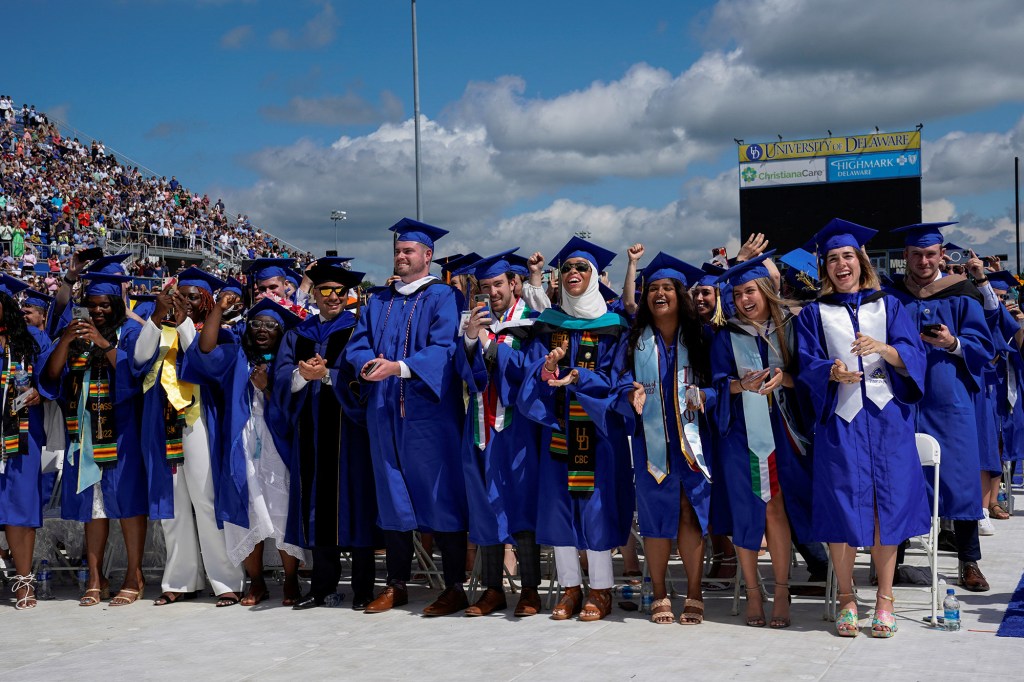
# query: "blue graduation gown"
501, 477
947, 410
598, 520
1009, 419
719, 511
331, 501
733, 462
417, 462
21, 483
124, 484
870, 464
658, 503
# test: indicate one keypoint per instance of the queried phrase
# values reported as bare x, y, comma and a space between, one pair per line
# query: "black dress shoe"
308, 602
361, 601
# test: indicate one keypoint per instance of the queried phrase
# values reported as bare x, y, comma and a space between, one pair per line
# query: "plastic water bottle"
21, 380
333, 601
646, 595
44, 581
83, 576
951, 611
628, 591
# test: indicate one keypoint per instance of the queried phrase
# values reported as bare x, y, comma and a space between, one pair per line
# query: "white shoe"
985, 526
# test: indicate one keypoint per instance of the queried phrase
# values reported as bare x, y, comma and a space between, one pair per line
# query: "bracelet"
109, 348
983, 280
832, 373
952, 346
69, 282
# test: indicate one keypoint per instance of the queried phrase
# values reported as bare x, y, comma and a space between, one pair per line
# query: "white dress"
267, 479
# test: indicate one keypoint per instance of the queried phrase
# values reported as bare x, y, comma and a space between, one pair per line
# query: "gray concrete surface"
60, 640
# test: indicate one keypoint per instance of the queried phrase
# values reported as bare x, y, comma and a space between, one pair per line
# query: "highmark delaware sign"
854, 157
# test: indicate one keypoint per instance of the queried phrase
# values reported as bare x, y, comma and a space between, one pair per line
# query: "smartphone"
81, 313
169, 282
482, 300
331, 252
91, 253
720, 251
931, 330
369, 368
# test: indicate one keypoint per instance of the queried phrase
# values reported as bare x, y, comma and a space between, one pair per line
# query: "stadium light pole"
1016, 202
416, 107
336, 216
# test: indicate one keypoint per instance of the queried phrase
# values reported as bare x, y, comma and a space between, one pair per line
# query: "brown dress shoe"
971, 577
490, 601
388, 599
599, 605
569, 605
529, 603
452, 600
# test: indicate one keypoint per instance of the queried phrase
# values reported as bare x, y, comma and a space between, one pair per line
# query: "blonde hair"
777, 307
868, 275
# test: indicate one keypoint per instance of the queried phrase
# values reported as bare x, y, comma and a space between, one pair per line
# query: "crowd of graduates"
723, 403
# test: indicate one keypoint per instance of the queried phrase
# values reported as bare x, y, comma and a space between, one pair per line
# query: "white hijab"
589, 305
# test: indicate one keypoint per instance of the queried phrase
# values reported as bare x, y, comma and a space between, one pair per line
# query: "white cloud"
318, 32
349, 108
237, 37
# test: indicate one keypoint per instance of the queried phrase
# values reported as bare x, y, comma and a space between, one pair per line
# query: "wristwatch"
109, 348
326, 379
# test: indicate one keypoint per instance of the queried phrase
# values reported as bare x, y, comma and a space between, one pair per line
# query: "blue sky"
541, 118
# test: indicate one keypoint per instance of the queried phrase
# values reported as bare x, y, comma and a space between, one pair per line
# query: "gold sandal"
104, 594
661, 608
127, 597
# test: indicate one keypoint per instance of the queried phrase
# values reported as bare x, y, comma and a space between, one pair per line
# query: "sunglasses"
264, 325
327, 291
581, 267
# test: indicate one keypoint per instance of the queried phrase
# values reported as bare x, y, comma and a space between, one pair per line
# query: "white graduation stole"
839, 335
764, 477
646, 361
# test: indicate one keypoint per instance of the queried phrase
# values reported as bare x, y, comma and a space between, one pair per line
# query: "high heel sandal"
103, 592
127, 596
755, 621
884, 619
778, 622
847, 620
27, 583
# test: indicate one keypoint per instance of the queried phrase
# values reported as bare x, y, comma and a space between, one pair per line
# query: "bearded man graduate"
402, 349
948, 312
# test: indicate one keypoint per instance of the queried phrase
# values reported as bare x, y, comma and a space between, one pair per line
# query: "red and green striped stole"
575, 441
174, 427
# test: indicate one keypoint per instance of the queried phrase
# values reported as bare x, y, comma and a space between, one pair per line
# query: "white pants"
599, 567
193, 489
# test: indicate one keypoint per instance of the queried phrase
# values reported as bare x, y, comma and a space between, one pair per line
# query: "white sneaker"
985, 526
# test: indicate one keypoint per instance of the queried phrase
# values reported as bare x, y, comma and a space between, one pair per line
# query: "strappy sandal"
599, 605
173, 598
692, 617
998, 511
883, 624
715, 581
102, 592
661, 612
756, 621
27, 583
227, 599
780, 622
847, 621
127, 596
569, 605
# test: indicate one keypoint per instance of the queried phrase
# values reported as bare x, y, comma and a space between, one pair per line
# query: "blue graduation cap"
11, 286
270, 308
1003, 280
334, 260
451, 264
267, 268
802, 261
490, 266
409, 230
748, 270
103, 284
950, 246
607, 293
581, 248
711, 273
328, 272
665, 266
839, 233
922, 235
233, 286
110, 264
294, 276
194, 277
519, 265
37, 299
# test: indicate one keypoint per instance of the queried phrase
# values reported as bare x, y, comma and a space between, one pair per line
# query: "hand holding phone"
931, 330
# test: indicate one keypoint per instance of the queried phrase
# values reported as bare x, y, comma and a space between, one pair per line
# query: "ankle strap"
891, 600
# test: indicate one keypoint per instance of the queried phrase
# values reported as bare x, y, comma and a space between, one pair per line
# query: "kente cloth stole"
575, 441
182, 406
486, 411
656, 418
14, 423
764, 477
838, 323
89, 410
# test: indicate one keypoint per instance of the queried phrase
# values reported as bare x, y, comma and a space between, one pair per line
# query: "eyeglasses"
327, 291
580, 267
264, 325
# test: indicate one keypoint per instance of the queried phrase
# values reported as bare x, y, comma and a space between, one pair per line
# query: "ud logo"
582, 439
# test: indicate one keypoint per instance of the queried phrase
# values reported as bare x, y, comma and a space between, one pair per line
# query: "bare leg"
690, 541
780, 543
292, 592
22, 542
884, 557
630, 561
657, 551
254, 569
134, 531
96, 533
748, 564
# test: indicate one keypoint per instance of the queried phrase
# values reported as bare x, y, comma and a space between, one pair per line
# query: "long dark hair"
19, 339
689, 326
118, 314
